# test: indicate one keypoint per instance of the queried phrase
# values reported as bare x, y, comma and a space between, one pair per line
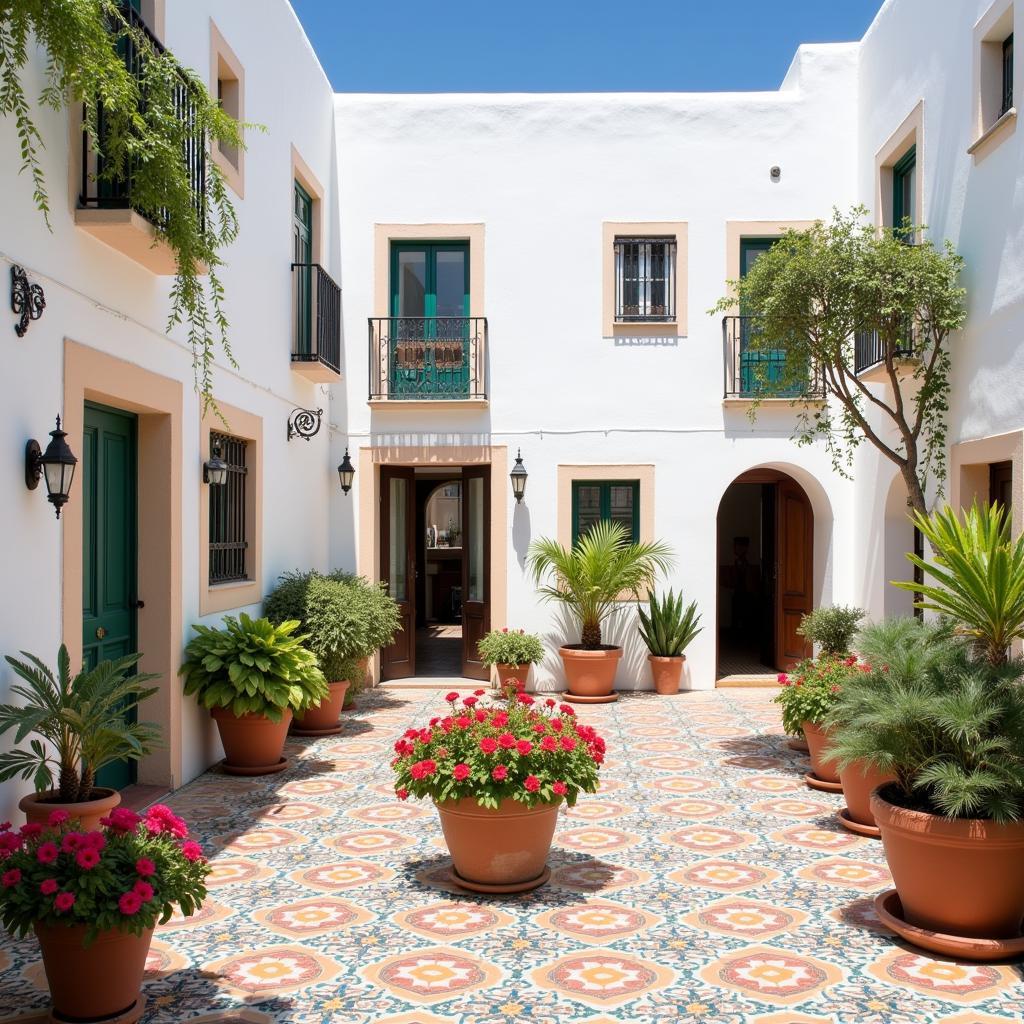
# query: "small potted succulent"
668, 629
83, 725
253, 676
497, 773
511, 652
93, 898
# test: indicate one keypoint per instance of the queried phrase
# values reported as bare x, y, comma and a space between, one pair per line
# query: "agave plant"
979, 571
590, 577
83, 719
669, 628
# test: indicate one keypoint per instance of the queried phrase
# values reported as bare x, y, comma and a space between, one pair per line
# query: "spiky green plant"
979, 574
669, 628
83, 718
590, 577
832, 629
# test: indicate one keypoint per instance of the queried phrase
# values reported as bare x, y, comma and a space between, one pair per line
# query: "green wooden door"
109, 548
302, 257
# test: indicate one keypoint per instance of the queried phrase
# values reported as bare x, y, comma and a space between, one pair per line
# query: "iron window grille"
228, 526
645, 279
1007, 99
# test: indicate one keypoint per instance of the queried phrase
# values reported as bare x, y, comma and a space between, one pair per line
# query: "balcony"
869, 352
757, 372
428, 359
108, 209
316, 332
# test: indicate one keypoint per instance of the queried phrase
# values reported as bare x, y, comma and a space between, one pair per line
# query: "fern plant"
669, 628
81, 721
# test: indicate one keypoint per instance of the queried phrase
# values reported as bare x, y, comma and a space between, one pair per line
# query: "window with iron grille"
1007, 100
228, 527
645, 279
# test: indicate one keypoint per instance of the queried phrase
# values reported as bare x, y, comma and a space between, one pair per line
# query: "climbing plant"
144, 137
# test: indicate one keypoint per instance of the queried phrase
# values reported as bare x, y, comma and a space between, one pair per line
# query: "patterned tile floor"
703, 883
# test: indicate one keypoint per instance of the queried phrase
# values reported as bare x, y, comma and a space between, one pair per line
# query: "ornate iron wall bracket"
27, 300
304, 423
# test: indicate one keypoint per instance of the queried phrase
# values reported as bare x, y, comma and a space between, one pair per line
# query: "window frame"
227, 511
904, 186
226, 67
605, 503
1006, 98
668, 279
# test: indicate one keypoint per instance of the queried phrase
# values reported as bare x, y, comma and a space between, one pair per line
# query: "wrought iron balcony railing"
102, 191
316, 332
753, 370
428, 358
869, 350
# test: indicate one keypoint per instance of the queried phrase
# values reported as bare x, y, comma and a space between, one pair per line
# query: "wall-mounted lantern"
56, 464
346, 473
518, 477
215, 471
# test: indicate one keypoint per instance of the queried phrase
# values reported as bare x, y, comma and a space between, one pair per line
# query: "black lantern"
346, 473
215, 472
518, 477
57, 464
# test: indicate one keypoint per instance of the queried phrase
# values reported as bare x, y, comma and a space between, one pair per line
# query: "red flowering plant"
813, 688
128, 875
521, 747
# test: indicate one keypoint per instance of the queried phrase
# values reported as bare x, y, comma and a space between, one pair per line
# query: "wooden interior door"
398, 565
794, 552
476, 563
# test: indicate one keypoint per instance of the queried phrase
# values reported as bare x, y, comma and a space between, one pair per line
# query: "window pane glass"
620, 506
398, 569
475, 553
412, 283
588, 507
450, 272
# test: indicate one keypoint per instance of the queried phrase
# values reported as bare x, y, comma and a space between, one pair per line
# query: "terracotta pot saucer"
574, 698
130, 1016
890, 913
256, 769
498, 890
795, 743
814, 782
871, 831
332, 730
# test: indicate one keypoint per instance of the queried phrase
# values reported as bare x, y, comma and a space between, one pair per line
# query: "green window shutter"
904, 187
595, 501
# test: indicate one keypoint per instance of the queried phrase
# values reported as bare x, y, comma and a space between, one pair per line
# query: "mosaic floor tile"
774, 975
432, 975
602, 978
597, 922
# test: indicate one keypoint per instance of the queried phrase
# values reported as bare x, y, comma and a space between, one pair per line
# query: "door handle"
138, 604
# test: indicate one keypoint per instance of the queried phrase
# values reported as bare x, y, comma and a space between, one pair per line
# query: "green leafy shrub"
252, 666
374, 608
510, 647
83, 720
810, 693
669, 628
831, 630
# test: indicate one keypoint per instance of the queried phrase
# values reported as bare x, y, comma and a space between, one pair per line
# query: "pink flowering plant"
812, 690
523, 748
127, 875
510, 647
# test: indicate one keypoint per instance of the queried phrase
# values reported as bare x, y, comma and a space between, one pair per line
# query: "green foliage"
979, 572
510, 647
142, 130
82, 719
252, 666
948, 725
810, 693
669, 628
814, 290
831, 629
590, 577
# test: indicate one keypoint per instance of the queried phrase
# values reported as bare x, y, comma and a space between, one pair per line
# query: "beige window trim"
910, 133
225, 66
303, 174
153, 14
988, 128
609, 231
224, 597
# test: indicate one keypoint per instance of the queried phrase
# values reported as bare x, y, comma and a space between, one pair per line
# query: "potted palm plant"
667, 630
592, 579
253, 676
511, 652
83, 723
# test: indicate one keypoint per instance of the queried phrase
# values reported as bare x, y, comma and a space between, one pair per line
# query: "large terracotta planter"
97, 983
824, 768
958, 877
512, 675
858, 782
324, 717
590, 674
666, 672
501, 850
39, 806
253, 744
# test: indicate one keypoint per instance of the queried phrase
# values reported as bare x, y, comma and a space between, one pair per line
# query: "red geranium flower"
523, 747
549, 743
129, 903
506, 740
479, 693
500, 773
488, 744
49, 886
58, 818
87, 858
191, 850
531, 784
566, 709
461, 772
145, 867
470, 701
568, 743
11, 878
47, 853
402, 794
463, 721
143, 890
64, 900
559, 788
451, 697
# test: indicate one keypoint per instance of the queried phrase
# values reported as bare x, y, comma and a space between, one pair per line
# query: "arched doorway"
765, 574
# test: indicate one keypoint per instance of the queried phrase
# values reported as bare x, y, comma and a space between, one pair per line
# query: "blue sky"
557, 45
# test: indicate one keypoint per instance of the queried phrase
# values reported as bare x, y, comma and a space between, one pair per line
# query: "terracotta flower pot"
251, 742
817, 739
501, 850
590, 673
39, 806
955, 876
858, 782
95, 983
512, 674
324, 716
666, 672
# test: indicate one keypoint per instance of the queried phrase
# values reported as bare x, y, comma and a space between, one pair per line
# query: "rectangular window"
616, 501
645, 279
1007, 100
228, 526
904, 187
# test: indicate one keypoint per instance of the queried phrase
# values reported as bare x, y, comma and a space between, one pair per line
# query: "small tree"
813, 292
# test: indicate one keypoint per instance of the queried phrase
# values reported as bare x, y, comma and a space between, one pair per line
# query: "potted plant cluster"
93, 898
252, 675
511, 652
592, 579
497, 773
82, 723
668, 629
